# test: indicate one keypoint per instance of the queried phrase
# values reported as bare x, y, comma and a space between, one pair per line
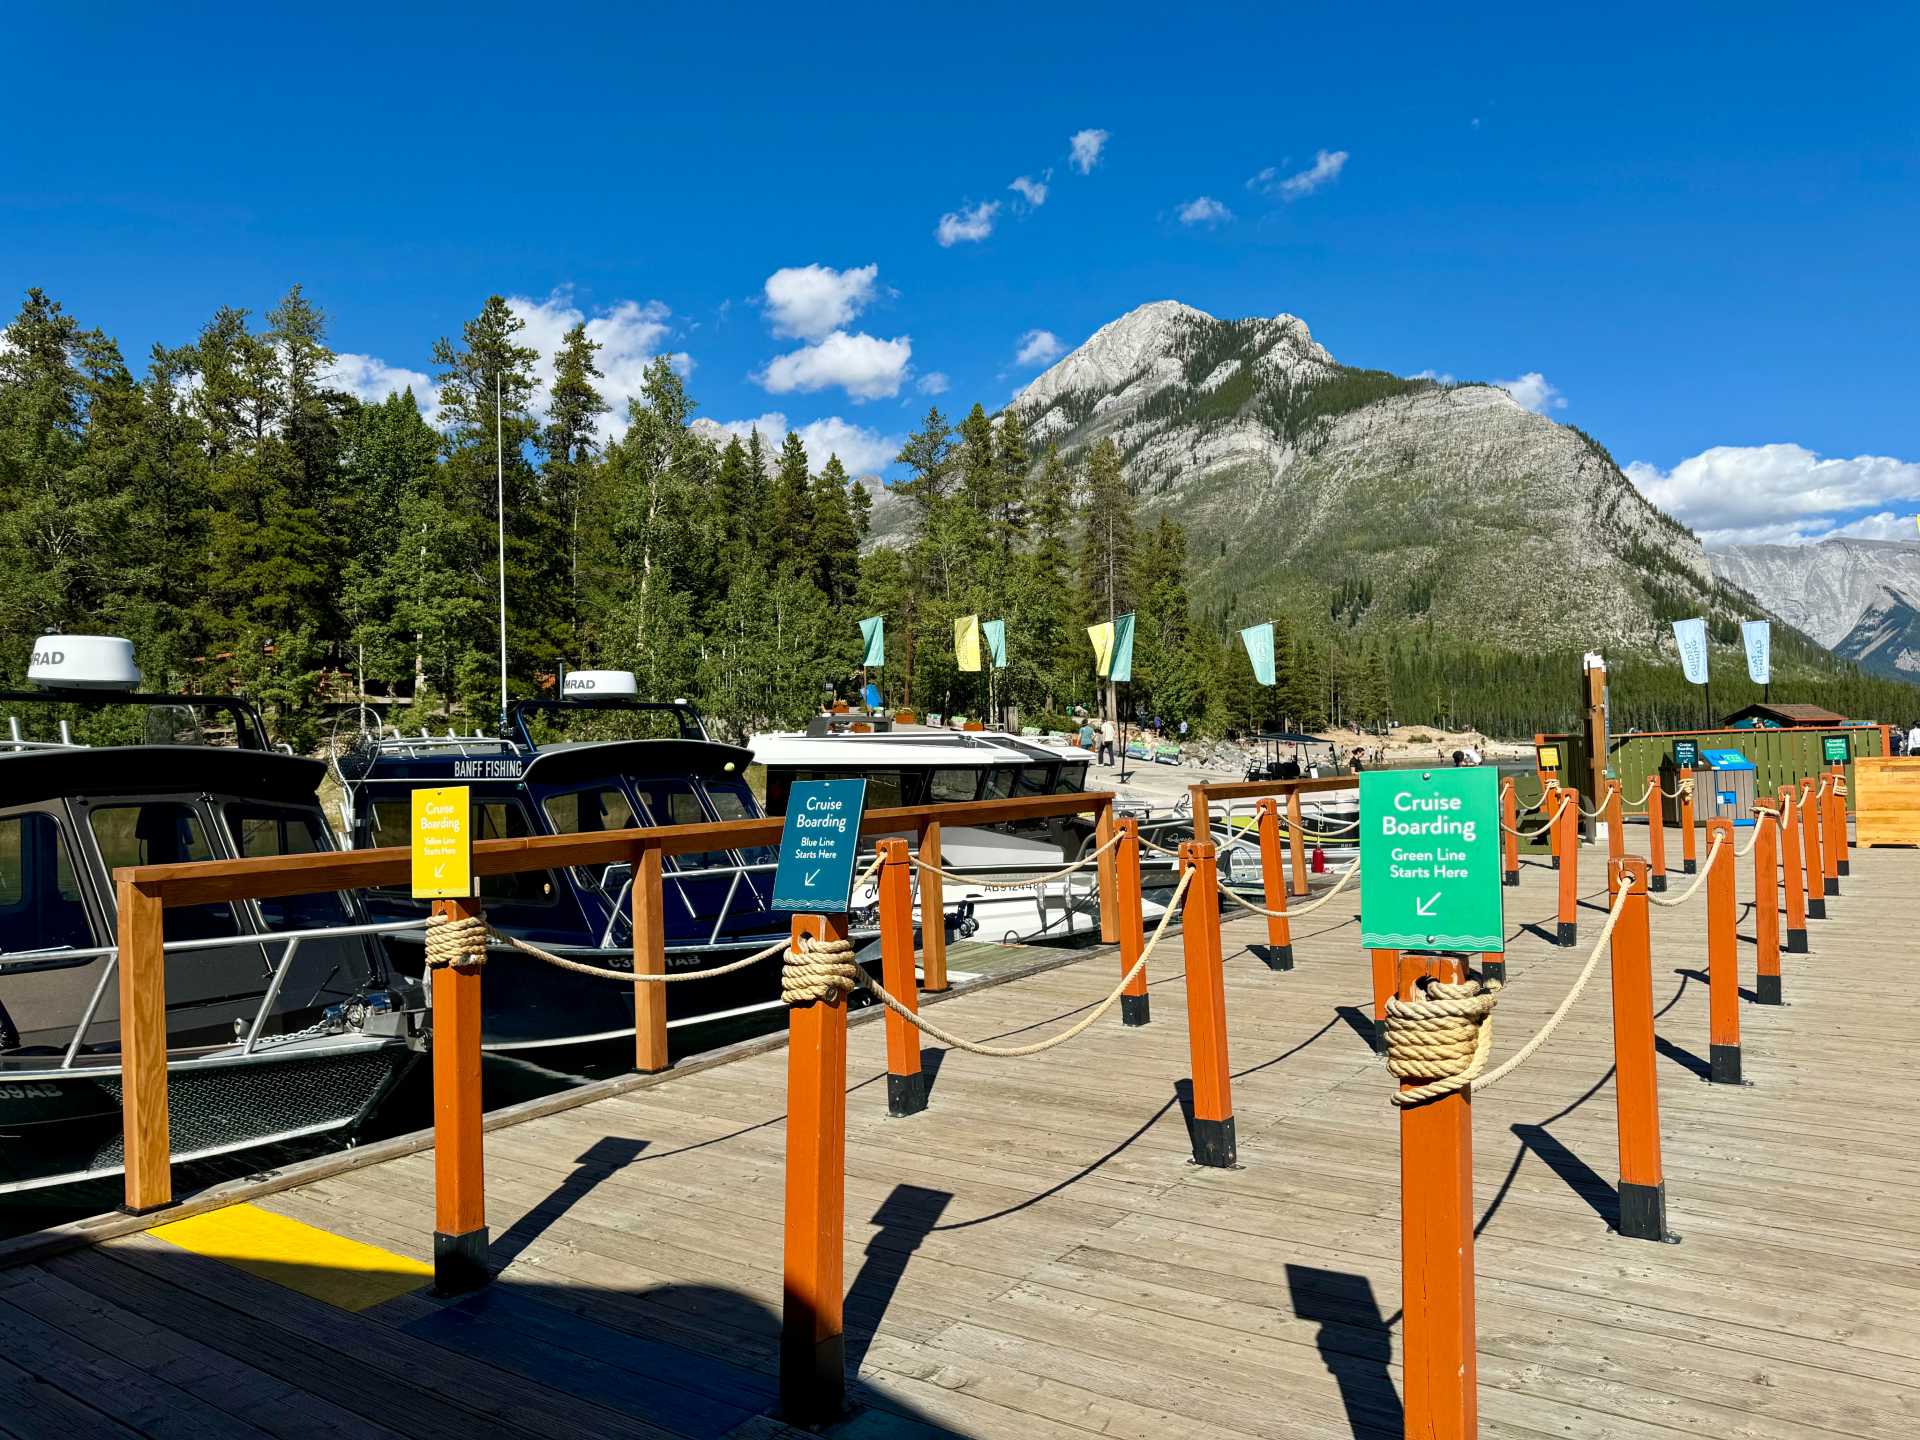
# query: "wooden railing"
145, 892
1289, 790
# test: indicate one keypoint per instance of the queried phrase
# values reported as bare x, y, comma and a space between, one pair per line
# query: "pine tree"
835, 540
573, 407
1010, 464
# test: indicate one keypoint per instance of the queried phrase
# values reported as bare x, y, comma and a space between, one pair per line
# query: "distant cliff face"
1850, 595
1297, 477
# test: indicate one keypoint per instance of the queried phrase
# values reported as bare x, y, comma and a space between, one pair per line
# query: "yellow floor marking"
301, 1257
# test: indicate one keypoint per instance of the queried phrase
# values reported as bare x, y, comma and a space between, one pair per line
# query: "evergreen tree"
790, 510
573, 407
836, 535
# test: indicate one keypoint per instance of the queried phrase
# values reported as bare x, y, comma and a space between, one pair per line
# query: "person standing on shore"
1108, 734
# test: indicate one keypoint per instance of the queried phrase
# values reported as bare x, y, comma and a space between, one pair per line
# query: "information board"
818, 845
1430, 860
1549, 757
1686, 754
1835, 749
442, 844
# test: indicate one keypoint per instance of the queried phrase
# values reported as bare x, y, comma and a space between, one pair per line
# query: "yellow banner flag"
1102, 637
966, 642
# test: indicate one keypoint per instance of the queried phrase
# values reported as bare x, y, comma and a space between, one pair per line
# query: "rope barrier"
1443, 1040
1307, 909
817, 970
1038, 880
1546, 825
456, 944
1754, 839
1011, 1052
1676, 901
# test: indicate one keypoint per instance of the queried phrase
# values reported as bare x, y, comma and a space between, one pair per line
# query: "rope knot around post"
817, 970
1438, 1042
459, 944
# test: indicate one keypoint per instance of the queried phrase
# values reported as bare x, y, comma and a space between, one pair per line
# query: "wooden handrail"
1259, 789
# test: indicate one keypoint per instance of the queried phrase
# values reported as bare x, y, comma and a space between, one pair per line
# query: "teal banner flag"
995, 634
1121, 670
1259, 642
873, 631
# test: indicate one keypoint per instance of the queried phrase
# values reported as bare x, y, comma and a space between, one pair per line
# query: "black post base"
1643, 1211
1509, 877
1278, 957
1766, 989
1816, 908
1569, 932
1214, 1143
1833, 885
1843, 867
1135, 1009
460, 1262
1723, 1064
144, 1209
1688, 867
813, 1373
1796, 942
907, 1094
1656, 883
1493, 972
1554, 861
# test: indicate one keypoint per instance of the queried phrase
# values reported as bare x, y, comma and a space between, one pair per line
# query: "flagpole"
500, 502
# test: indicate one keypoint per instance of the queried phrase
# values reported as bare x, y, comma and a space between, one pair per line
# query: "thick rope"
1080, 864
1306, 909
1674, 902
1754, 839
1442, 1041
1015, 1052
456, 944
817, 970
629, 977
1545, 826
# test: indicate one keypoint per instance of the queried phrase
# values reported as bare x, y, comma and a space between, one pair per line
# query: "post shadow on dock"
1353, 1342
596, 1163
905, 1217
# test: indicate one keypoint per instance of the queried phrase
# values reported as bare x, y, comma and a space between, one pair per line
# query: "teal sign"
1686, 754
1835, 749
818, 845
1430, 860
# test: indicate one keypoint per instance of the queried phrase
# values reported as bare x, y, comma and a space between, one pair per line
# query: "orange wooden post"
933, 913
1833, 842
1135, 1003
1386, 972
1549, 803
1616, 823
649, 958
1723, 960
1297, 842
1109, 894
1273, 886
146, 1139
1791, 880
1688, 864
1202, 814
1509, 832
459, 1173
1436, 1249
1840, 840
1656, 839
1567, 829
1766, 906
906, 1086
812, 1344
1636, 1087
1213, 1133
1816, 869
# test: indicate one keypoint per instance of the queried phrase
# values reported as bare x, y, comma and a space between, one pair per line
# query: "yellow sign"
442, 844
1549, 757
966, 642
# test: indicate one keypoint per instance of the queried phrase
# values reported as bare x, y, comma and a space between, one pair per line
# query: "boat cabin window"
40, 903
1072, 780
590, 811
673, 802
281, 830
1032, 780
732, 800
999, 783
950, 786
390, 822
162, 832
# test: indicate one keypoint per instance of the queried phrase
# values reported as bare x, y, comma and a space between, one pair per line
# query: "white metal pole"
500, 506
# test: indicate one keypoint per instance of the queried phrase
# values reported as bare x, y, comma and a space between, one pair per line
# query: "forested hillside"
252, 528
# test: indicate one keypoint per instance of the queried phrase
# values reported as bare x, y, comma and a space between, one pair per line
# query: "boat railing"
291, 939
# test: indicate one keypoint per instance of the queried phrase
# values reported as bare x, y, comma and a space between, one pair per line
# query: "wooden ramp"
1034, 1256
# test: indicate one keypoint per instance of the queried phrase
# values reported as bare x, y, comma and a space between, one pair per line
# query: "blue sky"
1697, 232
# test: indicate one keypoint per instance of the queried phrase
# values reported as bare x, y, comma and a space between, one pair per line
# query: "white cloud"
1038, 347
1750, 493
1033, 191
865, 367
967, 224
1326, 168
372, 379
811, 301
1884, 526
629, 333
1535, 392
1442, 376
934, 382
1204, 210
1086, 147
861, 451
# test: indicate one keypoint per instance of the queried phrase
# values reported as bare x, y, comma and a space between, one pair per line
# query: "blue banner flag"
994, 632
1691, 637
1259, 642
873, 635
1121, 669
1759, 637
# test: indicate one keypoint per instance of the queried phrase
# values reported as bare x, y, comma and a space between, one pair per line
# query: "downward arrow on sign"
811, 877
1425, 907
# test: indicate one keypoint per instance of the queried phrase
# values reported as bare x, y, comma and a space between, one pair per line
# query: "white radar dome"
583, 684
83, 662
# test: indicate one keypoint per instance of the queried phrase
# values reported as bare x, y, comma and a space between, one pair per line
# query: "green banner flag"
1259, 642
995, 634
873, 634
1121, 669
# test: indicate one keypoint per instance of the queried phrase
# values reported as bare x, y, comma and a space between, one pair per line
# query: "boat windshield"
41, 907
281, 830
162, 832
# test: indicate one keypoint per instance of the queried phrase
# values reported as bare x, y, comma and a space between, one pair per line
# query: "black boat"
596, 759
282, 1018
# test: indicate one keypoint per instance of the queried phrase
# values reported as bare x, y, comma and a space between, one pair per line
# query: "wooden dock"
1034, 1255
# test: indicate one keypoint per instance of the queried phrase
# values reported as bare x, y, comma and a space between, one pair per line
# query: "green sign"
1835, 749
1686, 754
1430, 860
